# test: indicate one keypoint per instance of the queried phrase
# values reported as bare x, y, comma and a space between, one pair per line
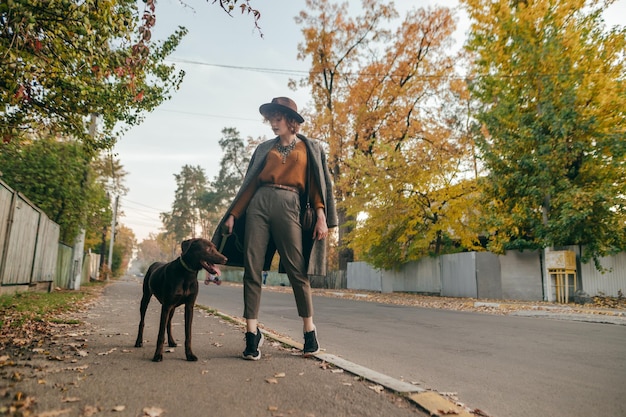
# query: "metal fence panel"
521, 275
609, 283
362, 276
423, 276
488, 281
458, 275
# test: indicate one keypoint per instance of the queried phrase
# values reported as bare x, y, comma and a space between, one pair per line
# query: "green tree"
62, 63
156, 248
110, 176
57, 176
551, 80
185, 219
224, 187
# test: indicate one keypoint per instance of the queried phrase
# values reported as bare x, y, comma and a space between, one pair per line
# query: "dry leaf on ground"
90, 410
152, 411
54, 413
70, 399
377, 388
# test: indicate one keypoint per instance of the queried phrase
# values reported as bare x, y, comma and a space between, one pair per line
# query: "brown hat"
283, 104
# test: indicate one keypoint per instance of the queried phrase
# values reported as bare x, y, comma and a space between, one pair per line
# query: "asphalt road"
506, 366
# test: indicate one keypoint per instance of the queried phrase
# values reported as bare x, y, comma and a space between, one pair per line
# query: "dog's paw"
138, 344
192, 358
157, 358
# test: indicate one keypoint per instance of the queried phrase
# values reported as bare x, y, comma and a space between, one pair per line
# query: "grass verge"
26, 308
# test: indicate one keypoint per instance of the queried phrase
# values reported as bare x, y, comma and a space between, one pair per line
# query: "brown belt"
282, 187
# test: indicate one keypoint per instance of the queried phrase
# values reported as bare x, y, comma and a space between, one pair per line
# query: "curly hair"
292, 124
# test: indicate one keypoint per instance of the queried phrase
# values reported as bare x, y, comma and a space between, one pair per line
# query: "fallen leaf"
337, 371
377, 388
119, 408
54, 413
272, 408
348, 384
152, 411
4, 358
217, 344
107, 352
271, 381
90, 410
70, 399
82, 353
279, 375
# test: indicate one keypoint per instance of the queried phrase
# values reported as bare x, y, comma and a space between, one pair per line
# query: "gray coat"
316, 254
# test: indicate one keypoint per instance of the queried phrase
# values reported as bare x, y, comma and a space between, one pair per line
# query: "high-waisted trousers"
274, 214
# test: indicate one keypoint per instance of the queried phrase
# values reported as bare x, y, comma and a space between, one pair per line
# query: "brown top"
292, 173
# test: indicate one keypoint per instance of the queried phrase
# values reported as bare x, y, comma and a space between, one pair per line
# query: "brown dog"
176, 283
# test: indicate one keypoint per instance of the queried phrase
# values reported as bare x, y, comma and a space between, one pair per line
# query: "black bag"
308, 217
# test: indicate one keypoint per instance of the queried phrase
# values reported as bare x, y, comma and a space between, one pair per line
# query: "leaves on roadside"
90, 410
54, 413
152, 411
70, 399
377, 388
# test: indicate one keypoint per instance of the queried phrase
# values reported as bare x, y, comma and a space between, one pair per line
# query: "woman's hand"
229, 223
321, 229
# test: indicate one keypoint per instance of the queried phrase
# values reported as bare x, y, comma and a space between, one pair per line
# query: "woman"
265, 217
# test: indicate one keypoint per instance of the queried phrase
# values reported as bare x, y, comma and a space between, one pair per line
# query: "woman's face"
278, 122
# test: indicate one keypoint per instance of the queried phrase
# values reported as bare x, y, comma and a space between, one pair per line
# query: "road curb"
430, 401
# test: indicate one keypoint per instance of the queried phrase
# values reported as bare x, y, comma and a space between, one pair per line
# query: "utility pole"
79, 242
113, 220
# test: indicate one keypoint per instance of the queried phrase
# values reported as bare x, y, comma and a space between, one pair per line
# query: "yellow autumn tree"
390, 108
551, 79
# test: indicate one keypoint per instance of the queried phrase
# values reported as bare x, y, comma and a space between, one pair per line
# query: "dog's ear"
184, 246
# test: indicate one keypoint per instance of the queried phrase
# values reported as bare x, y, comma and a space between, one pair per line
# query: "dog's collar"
186, 266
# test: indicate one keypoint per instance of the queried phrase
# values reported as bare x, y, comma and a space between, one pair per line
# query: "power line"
242, 68
143, 205
450, 77
209, 115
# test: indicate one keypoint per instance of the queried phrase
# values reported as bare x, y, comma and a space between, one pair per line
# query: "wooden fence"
31, 256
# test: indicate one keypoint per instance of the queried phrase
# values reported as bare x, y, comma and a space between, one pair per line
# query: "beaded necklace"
285, 150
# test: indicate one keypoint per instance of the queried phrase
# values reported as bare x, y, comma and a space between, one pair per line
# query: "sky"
230, 71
